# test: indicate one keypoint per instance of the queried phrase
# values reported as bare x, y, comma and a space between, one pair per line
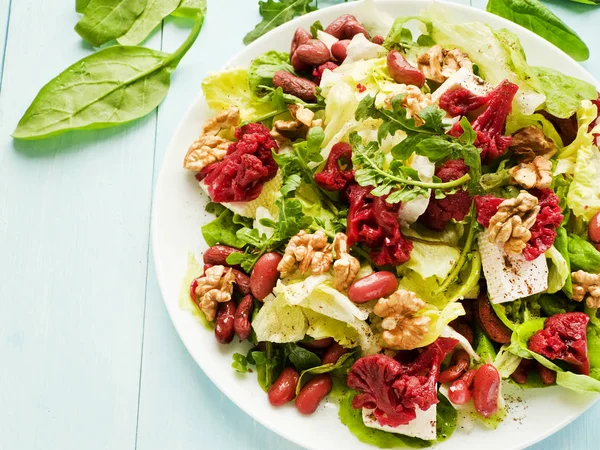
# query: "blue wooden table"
89, 358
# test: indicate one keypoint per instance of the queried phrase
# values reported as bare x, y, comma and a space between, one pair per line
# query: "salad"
406, 219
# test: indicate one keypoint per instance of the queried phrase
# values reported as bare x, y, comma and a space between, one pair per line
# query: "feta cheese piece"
423, 426
362, 48
510, 277
466, 79
410, 211
326, 39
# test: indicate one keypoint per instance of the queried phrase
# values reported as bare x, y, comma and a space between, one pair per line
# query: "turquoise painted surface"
90, 359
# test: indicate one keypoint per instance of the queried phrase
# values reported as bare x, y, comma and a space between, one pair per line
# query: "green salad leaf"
536, 17
301, 358
582, 254
105, 20
264, 67
344, 362
103, 90
223, 229
145, 23
275, 13
190, 9
80, 5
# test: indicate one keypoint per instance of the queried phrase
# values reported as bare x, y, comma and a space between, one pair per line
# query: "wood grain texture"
74, 225
90, 357
4, 15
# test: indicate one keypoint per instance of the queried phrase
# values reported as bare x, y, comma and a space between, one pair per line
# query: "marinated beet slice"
487, 207
461, 101
543, 231
564, 338
393, 389
454, 206
338, 170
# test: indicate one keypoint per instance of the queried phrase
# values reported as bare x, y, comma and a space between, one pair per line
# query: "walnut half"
403, 328
585, 283
439, 64
216, 286
536, 174
529, 142
209, 147
510, 225
310, 251
346, 266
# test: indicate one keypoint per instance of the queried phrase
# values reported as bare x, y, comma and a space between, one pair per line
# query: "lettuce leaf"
584, 193
264, 67
517, 121
586, 114
430, 260
583, 255
558, 270
231, 88
194, 270
439, 320
278, 321
593, 340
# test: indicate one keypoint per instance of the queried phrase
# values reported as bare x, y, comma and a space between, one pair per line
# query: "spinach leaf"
190, 9
264, 67
105, 20
275, 13
152, 17
583, 255
113, 86
80, 5
301, 358
345, 361
223, 230
536, 17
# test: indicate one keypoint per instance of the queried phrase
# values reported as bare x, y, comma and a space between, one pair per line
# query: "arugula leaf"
344, 362
105, 20
315, 27
152, 17
264, 67
275, 13
269, 364
240, 363
536, 17
103, 90
301, 358
223, 230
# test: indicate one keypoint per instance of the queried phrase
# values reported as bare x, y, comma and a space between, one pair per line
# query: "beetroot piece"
454, 206
491, 123
318, 71
543, 231
393, 389
564, 338
247, 166
596, 122
487, 206
338, 170
461, 101
374, 222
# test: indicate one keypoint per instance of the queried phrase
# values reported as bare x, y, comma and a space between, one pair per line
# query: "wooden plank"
74, 215
4, 15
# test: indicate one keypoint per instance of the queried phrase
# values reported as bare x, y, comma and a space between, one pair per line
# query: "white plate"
179, 213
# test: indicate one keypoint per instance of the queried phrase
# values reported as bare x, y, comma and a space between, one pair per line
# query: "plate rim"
223, 387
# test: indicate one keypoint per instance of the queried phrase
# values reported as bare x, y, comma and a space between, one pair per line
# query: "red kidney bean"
313, 392
373, 287
521, 373
459, 364
224, 322
594, 228
264, 276
333, 353
490, 322
548, 376
460, 391
402, 71
318, 344
310, 54
217, 255
486, 386
462, 327
193, 287
301, 36
379, 40
242, 282
291, 84
284, 388
241, 322
346, 27
339, 50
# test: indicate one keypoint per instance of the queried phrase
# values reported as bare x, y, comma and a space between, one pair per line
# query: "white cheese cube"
510, 277
423, 426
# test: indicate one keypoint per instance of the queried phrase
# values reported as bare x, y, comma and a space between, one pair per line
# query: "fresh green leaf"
345, 360
105, 20
269, 365
190, 9
555, 304
401, 37
484, 347
583, 255
152, 17
80, 5
315, 27
301, 358
536, 17
223, 230
102, 90
558, 270
264, 67
275, 13
240, 363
